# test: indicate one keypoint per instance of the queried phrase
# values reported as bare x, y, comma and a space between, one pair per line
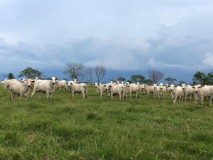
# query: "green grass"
100, 128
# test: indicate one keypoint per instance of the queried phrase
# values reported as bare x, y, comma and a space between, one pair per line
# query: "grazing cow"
20, 88
44, 86
100, 88
132, 88
78, 88
203, 91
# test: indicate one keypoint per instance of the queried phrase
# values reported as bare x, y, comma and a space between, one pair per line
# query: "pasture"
100, 128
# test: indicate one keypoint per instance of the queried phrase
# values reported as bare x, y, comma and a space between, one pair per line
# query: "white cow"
150, 89
203, 91
177, 93
188, 91
159, 91
62, 84
20, 88
44, 86
116, 88
108, 86
78, 88
100, 88
170, 89
142, 88
132, 88
6, 82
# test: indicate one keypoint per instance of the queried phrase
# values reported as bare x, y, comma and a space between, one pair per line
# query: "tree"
199, 77
148, 81
170, 80
89, 74
155, 76
208, 80
74, 70
100, 72
182, 82
121, 79
10, 76
30, 73
137, 78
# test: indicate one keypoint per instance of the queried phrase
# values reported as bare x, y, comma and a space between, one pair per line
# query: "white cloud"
208, 60
122, 34
162, 65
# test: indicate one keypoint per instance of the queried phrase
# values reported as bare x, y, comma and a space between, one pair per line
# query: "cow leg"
11, 95
83, 94
73, 94
174, 101
34, 90
48, 94
202, 99
119, 96
112, 95
210, 100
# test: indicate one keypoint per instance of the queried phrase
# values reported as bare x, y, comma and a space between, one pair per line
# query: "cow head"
196, 88
53, 80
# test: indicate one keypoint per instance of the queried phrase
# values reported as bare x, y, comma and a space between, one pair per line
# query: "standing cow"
78, 88
20, 88
45, 86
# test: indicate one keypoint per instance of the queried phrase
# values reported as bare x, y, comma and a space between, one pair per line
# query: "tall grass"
99, 128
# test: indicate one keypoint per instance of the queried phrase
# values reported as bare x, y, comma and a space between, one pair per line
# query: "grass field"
99, 128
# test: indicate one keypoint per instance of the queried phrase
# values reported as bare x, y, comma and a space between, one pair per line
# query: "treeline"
97, 74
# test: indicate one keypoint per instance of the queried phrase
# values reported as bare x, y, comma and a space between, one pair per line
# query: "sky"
126, 36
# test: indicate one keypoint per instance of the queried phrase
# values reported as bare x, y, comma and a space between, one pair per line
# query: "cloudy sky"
174, 37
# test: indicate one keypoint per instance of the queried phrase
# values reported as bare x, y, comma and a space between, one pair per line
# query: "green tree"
170, 80
121, 79
148, 81
182, 82
137, 78
74, 70
199, 77
30, 73
209, 79
10, 76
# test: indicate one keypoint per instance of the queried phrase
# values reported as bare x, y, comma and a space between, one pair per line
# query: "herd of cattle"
123, 90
